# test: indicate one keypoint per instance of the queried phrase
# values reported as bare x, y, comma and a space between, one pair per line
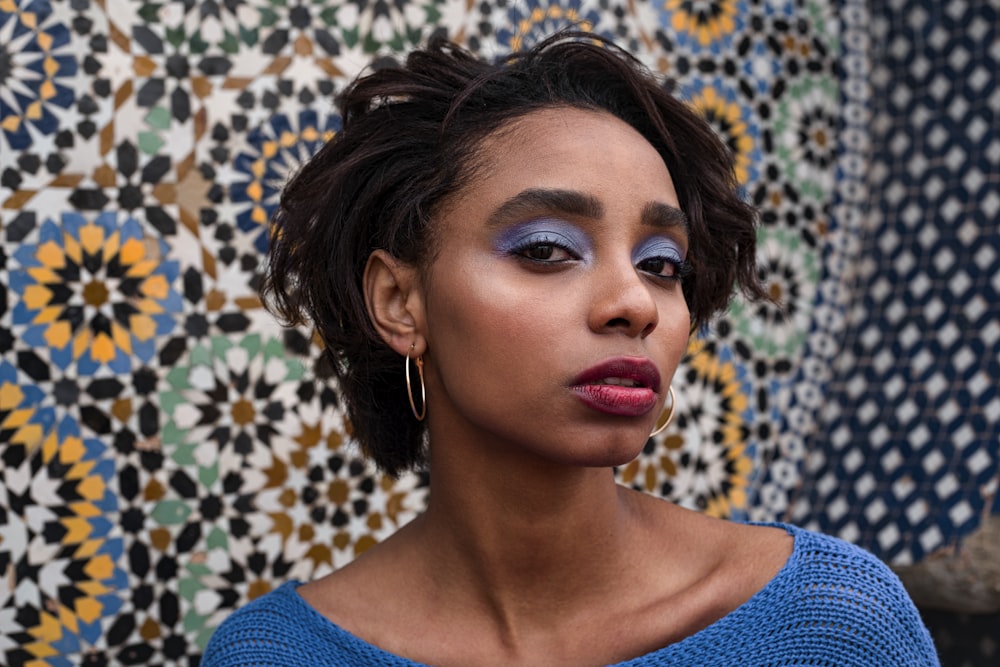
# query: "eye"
663, 267
545, 252
548, 245
544, 243
662, 258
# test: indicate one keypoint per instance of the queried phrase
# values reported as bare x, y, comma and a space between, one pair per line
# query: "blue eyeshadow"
658, 246
544, 231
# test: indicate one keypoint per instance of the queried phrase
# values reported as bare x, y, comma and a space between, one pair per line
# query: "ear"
395, 302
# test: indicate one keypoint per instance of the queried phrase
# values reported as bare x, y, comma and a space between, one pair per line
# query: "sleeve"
862, 606
250, 636
907, 640
268, 632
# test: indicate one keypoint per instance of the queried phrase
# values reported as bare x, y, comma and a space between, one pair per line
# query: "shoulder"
278, 629
836, 592
829, 564
262, 632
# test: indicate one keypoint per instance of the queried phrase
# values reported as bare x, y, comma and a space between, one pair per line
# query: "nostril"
619, 322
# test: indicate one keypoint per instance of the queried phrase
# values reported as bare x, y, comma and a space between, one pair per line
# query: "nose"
623, 302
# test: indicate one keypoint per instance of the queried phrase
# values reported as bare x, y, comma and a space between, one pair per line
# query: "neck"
526, 542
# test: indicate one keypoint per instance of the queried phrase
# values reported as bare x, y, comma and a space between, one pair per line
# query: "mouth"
620, 382
630, 372
623, 386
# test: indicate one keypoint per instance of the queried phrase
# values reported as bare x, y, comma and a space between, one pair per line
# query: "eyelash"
681, 268
534, 243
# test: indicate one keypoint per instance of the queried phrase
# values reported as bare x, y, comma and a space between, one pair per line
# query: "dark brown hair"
409, 142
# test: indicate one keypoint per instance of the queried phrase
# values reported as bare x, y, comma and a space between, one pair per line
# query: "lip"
616, 399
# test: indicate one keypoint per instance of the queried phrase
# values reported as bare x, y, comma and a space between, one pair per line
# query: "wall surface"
905, 457
167, 452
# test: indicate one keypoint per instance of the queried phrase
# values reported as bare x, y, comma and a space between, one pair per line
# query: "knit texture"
832, 605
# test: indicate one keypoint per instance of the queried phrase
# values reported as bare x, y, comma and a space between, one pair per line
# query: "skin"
529, 553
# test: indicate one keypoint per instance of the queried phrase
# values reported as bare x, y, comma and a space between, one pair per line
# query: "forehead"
591, 152
552, 133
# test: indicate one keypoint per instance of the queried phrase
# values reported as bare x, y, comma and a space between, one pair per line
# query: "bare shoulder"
733, 560
728, 538
375, 598
346, 595
332, 594
758, 553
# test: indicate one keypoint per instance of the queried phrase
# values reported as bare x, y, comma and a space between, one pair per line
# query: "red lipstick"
624, 386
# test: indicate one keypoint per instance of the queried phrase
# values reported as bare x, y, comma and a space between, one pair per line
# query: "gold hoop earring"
419, 361
670, 414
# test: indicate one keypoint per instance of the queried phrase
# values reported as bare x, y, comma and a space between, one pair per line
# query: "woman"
505, 263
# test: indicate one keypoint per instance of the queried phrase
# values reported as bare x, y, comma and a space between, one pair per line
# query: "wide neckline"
362, 647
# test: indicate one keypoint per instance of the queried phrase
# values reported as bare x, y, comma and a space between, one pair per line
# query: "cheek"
489, 331
674, 329
473, 312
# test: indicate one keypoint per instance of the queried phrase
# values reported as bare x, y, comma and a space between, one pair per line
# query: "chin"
611, 455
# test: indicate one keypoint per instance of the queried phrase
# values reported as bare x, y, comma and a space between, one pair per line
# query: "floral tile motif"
58, 540
789, 270
529, 22
96, 293
703, 24
734, 122
276, 150
805, 133
715, 478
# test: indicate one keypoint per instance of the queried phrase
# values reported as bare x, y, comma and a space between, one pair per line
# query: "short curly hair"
409, 144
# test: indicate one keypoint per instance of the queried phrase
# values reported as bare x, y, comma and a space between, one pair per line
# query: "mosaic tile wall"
167, 451
906, 457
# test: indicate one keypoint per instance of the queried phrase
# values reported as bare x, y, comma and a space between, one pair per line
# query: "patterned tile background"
167, 451
905, 455
909, 433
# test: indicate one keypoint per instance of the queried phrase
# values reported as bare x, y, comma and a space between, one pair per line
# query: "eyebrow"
657, 214
535, 200
578, 204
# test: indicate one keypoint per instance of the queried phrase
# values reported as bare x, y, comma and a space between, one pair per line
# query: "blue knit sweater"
831, 605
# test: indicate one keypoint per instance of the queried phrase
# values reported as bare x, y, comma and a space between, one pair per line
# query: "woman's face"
553, 306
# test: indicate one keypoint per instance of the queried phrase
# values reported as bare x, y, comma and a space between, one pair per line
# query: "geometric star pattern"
908, 443
168, 452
